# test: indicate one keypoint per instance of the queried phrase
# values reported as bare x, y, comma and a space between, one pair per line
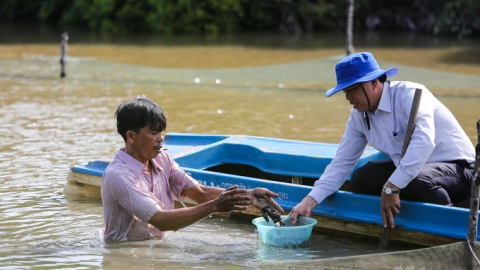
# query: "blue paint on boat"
197, 153
95, 168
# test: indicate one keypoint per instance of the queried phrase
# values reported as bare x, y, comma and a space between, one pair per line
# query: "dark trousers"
442, 183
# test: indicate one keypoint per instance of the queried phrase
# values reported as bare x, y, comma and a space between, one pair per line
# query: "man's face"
147, 144
356, 97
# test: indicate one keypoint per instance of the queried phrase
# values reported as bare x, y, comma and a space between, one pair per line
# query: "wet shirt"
437, 137
131, 196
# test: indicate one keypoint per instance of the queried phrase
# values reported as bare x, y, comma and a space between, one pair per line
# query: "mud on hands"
269, 211
262, 200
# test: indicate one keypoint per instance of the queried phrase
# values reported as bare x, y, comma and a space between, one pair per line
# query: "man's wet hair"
139, 113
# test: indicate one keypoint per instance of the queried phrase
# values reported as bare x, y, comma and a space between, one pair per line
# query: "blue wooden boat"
290, 168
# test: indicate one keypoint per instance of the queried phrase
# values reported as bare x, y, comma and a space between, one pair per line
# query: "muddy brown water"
48, 124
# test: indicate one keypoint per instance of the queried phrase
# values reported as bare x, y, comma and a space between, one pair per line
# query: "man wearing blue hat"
437, 166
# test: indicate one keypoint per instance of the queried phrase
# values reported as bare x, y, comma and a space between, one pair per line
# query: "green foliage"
194, 16
98, 14
289, 15
459, 17
21, 9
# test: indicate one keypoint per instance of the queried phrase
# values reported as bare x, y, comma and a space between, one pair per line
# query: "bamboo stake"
408, 136
473, 217
63, 49
349, 46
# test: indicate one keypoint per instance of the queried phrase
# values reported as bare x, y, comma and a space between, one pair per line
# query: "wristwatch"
390, 191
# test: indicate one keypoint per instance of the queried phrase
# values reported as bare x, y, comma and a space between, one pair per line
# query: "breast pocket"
399, 138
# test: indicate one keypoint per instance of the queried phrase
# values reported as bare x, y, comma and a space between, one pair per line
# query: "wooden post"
349, 46
297, 180
473, 217
63, 49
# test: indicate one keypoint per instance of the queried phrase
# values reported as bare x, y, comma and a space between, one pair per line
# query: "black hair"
139, 113
382, 78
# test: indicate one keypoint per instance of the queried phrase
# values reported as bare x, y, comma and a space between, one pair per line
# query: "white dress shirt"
437, 137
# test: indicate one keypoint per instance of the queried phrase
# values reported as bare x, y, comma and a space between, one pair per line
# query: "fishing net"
91, 76
459, 255
317, 74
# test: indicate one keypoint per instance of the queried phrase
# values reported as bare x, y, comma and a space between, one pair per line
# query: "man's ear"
130, 135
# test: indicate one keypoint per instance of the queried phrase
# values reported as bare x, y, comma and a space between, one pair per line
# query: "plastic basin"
288, 235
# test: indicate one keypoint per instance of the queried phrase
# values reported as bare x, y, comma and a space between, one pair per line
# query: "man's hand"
390, 205
269, 212
260, 197
304, 208
232, 198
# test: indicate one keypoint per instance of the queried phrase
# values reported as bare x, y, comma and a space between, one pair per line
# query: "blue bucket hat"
357, 68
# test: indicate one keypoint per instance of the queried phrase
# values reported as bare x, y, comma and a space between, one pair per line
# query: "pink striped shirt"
131, 196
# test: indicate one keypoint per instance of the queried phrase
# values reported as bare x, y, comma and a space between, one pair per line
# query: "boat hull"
290, 163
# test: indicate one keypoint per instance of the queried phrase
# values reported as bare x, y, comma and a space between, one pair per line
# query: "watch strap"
392, 191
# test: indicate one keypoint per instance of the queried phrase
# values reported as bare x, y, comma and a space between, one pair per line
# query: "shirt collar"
385, 101
136, 166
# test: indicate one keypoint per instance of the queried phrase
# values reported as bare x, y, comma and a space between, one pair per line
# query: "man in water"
437, 166
139, 185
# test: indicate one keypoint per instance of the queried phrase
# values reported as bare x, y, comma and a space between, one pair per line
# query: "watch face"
388, 190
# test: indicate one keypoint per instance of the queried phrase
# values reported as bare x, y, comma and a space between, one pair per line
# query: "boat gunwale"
337, 206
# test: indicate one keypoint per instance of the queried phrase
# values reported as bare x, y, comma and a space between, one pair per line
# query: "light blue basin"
284, 236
